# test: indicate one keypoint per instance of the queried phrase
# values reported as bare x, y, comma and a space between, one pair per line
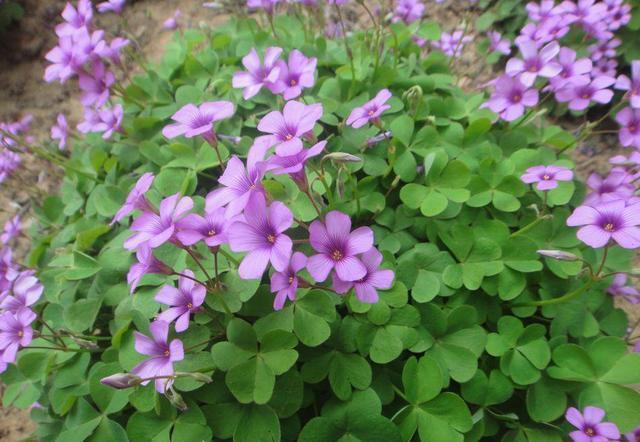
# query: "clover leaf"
523, 352
426, 283
251, 368
436, 416
445, 182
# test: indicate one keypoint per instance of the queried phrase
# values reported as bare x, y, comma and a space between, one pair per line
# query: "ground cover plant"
283, 233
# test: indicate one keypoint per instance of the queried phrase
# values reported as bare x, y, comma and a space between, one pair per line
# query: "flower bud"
341, 157
121, 380
559, 255
176, 399
378, 138
413, 97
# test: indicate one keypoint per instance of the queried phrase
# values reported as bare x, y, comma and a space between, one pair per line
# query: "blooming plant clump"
284, 233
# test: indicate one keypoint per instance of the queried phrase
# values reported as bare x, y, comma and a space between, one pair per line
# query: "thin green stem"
529, 226
604, 258
229, 257
349, 52
568, 297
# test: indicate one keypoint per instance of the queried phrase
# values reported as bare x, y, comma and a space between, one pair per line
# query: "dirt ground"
22, 91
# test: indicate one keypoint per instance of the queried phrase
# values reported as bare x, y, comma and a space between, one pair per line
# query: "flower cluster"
83, 52
12, 142
544, 65
242, 217
20, 289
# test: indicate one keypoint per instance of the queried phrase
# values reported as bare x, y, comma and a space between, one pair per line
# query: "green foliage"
456, 350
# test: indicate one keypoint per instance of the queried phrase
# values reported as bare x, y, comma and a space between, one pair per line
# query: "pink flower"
581, 91
95, 85
614, 187
286, 128
183, 301
147, 264
498, 44
615, 221
172, 22
267, 5
262, 236
285, 283
371, 111
212, 228
632, 85
619, 287
136, 199
590, 426
15, 332
294, 164
257, 74
240, 184
534, 62
111, 6
156, 229
163, 355
60, 131
629, 121
297, 74
26, 291
12, 229
510, 98
105, 120
338, 248
367, 287
546, 177
192, 120
75, 18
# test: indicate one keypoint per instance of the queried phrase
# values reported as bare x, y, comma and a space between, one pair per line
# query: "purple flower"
614, 187
634, 436
571, 68
338, 247
257, 74
172, 22
619, 287
156, 229
371, 111
375, 278
95, 86
294, 164
604, 49
629, 120
614, 220
285, 283
66, 59
408, 11
584, 11
605, 67
337, 2
120, 380
75, 18
9, 162
163, 355
452, 43
546, 177
619, 14
195, 120
184, 300
12, 229
111, 6
510, 98
15, 332
240, 183
632, 85
590, 426
498, 44
297, 74
287, 127
136, 199
212, 228
111, 51
105, 120
534, 63
267, 5
147, 264
26, 290
262, 236
581, 91
60, 131
544, 10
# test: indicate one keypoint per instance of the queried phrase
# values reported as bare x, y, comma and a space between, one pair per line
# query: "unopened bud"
176, 399
230, 138
200, 377
559, 255
378, 138
85, 344
341, 157
121, 380
413, 97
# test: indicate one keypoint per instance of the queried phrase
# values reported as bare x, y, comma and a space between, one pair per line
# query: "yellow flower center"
271, 238
608, 227
167, 353
289, 137
546, 177
336, 255
211, 232
189, 306
290, 279
293, 82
